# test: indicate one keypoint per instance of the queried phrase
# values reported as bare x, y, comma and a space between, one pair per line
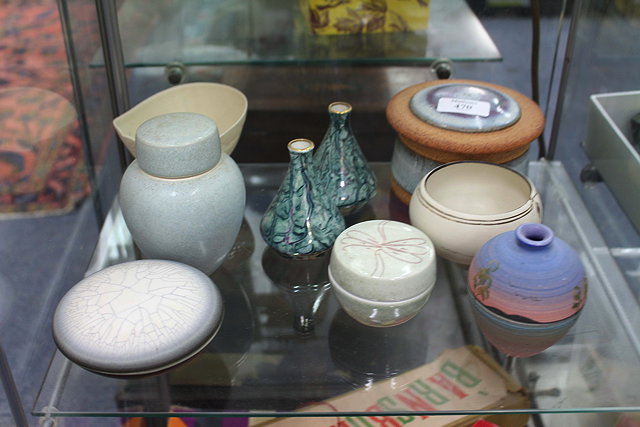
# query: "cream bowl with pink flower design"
382, 271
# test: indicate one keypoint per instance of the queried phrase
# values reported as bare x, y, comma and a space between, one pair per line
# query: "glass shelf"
285, 341
226, 32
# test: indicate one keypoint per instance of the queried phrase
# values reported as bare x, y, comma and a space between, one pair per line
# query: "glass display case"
286, 349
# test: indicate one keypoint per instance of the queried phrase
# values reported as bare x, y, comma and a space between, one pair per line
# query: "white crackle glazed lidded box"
138, 317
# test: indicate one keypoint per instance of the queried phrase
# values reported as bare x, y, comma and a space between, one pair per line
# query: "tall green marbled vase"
341, 163
302, 220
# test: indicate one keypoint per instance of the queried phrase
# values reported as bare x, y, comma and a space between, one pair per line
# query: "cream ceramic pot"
224, 104
382, 271
461, 205
182, 198
379, 313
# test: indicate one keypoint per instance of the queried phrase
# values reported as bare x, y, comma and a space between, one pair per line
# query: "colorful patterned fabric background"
42, 168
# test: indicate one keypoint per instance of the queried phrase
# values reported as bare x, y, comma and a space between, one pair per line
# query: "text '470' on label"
464, 106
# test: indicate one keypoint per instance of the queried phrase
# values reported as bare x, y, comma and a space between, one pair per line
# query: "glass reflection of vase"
368, 354
302, 220
341, 164
303, 282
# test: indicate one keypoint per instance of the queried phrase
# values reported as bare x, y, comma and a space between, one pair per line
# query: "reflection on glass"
367, 354
304, 283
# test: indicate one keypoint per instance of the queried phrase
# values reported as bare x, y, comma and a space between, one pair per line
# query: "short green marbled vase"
341, 165
302, 221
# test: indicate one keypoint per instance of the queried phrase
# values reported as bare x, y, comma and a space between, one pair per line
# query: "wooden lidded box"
443, 121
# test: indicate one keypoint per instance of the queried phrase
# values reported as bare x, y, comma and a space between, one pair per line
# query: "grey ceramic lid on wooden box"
138, 317
465, 107
503, 135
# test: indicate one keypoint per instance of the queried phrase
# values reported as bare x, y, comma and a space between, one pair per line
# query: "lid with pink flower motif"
383, 260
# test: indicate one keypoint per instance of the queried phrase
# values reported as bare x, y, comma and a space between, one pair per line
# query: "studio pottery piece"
342, 167
527, 286
452, 120
224, 104
138, 317
182, 198
529, 273
302, 219
382, 272
461, 205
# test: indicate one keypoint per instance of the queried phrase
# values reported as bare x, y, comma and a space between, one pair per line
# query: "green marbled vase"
302, 220
341, 164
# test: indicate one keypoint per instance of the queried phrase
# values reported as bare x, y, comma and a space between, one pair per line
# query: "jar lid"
383, 260
178, 145
465, 107
138, 317
446, 145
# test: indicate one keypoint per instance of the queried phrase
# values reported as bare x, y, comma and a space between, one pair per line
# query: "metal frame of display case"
588, 369
11, 391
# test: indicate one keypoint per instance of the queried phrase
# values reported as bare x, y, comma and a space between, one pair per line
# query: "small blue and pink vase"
527, 289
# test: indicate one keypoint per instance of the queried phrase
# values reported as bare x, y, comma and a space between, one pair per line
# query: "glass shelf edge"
256, 414
297, 62
591, 241
454, 33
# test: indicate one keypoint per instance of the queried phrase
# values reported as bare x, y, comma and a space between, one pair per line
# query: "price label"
469, 107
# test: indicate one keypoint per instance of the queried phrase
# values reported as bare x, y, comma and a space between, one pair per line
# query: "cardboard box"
465, 378
365, 16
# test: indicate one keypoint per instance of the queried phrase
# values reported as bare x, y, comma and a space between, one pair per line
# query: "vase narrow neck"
300, 152
339, 113
339, 119
534, 236
302, 159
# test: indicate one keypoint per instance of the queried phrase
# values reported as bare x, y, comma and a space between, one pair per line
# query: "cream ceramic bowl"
226, 105
382, 271
461, 205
